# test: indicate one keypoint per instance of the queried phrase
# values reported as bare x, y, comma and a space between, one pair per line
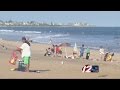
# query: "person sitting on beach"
75, 53
73, 56
108, 56
48, 52
82, 50
70, 57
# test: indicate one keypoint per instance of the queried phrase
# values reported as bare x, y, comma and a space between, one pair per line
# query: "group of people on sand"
105, 56
53, 51
56, 50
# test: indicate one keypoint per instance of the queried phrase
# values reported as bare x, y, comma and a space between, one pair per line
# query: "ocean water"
92, 37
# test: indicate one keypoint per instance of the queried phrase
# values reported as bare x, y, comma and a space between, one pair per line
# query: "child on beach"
25, 53
48, 52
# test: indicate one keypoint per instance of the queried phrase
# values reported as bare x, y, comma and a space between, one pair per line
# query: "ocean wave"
30, 32
51, 36
20, 31
59, 35
4, 30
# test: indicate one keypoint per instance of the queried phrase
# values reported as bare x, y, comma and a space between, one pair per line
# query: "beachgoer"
82, 51
108, 57
87, 53
48, 52
105, 56
25, 53
75, 52
57, 49
60, 50
53, 49
73, 56
101, 53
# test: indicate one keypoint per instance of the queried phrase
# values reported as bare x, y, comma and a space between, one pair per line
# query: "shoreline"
72, 45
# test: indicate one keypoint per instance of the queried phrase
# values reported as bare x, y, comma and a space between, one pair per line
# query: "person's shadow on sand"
36, 71
39, 71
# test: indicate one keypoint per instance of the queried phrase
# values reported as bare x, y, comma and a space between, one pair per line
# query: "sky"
98, 18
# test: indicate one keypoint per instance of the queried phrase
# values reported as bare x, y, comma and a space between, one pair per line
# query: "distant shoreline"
48, 26
68, 26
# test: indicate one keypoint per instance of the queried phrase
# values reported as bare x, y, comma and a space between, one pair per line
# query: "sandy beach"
52, 68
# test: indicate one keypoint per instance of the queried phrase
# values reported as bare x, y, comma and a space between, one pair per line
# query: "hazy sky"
98, 18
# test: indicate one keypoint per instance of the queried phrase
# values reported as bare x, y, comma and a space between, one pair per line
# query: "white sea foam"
30, 32
3, 30
20, 31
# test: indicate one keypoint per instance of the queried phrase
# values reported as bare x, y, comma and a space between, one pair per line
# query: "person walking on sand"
101, 53
82, 50
25, 53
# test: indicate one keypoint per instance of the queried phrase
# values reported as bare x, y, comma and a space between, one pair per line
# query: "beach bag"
13, 58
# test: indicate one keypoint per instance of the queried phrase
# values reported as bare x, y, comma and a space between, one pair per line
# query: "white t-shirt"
25, 50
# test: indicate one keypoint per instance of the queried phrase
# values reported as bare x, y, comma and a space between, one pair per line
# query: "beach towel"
13, 59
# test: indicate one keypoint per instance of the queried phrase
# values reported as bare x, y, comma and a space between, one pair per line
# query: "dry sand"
52, 68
